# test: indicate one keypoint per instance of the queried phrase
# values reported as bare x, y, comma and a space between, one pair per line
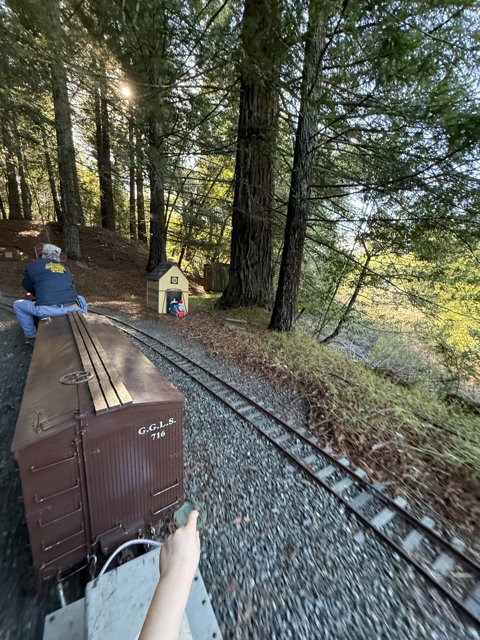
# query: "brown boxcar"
100, 461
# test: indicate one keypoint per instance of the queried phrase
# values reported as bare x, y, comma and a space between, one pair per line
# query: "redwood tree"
51, 177
24, 188
303, 163
67, 169
102, 130
131, 180
251, 246
14, 207
141, 224
158, 223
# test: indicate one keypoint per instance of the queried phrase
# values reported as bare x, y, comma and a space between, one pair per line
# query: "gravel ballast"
278, 554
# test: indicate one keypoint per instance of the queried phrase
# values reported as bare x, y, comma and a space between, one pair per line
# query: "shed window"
173, 279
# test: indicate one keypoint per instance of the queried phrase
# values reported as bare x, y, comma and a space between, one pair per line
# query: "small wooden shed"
164, 284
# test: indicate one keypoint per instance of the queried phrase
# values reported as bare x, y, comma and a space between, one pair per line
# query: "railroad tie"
386, 515
444, 563
239, 405
472, 603
342, 485
415, 537
251, 412
361, 500
360, 473
325, 472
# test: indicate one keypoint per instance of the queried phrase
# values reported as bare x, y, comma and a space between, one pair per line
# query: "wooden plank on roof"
108, 391
98, 400
120, 389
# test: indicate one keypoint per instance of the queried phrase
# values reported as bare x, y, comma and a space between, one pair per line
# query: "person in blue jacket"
52, 285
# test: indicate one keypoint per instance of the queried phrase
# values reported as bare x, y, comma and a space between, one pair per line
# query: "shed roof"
161, 270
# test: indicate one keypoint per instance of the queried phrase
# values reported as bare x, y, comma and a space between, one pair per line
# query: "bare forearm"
165, 613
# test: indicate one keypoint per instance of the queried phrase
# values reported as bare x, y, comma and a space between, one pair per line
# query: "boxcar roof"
124, 377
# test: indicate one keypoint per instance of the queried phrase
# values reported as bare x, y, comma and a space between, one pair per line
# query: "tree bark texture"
142, 227
158, 227
24, 188
67, 169
303, 163
251, 273
2, 209
131, 175
13, 197
51, 179
102, 131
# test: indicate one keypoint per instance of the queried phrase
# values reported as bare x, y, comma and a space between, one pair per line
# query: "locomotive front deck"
100, 461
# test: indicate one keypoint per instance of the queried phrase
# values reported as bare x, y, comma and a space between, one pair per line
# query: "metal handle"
155, 513
67, 515
34, 469
55, 544
59, 493
157, 493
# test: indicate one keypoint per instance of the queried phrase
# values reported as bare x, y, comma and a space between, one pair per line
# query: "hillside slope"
112, 268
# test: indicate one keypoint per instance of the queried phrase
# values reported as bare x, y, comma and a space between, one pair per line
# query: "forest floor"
425, 449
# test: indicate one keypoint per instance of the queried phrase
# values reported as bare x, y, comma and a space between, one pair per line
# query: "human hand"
180, 554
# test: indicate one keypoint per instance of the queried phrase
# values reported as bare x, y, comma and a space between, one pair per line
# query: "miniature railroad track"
443, 562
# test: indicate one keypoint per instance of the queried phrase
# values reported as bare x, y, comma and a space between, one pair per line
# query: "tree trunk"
142, 227
251, 273
218, 246
51, 179
102, 131
14, 207
303, 162
106, 160
180, 257
351, 302
131, 169
24, 188
2, 209
67, 169
158, 231
99, 144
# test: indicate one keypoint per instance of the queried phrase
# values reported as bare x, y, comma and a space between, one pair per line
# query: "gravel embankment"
278, 554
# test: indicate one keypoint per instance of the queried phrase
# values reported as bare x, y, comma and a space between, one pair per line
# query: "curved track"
444, 563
